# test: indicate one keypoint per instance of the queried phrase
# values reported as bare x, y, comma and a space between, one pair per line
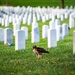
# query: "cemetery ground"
37, 2
60, 60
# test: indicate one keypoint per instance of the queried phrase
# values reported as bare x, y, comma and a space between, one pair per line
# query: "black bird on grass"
38, 51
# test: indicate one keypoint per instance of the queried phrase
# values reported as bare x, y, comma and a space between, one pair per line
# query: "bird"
39, 50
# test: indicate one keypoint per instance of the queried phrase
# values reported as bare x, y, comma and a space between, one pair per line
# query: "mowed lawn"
60, 60
35, 3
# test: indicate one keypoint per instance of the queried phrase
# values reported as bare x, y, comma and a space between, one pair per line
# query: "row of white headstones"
21, 35
54, 32
29, 14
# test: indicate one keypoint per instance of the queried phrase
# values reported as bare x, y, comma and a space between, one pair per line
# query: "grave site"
49, 28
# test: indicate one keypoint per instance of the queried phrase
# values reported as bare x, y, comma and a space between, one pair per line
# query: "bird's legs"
39, 55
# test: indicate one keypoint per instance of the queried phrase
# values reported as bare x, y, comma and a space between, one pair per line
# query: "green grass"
60, 60
35, 3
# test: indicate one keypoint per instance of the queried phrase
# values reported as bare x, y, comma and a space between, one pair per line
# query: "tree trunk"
62, 3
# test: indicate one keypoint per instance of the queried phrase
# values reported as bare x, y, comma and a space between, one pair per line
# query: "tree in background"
6, 2
62, 3
0, 2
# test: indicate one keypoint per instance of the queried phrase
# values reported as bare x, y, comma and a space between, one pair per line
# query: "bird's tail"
46, 52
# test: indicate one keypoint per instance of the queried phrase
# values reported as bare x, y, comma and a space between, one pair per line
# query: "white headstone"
13, 20
20, 18
38, 17
52, 25
66, 7
1, 34
29, 21
10, 19
62, 17
46, 16
8, 36
24, 20
43, 19
35, 35
34, 18
53, 17
65, 29
16, 27
20, 40
59, 33
26, 32
57, 22
58, 15
71, 22
44, 31
50, 15
3, 22
66, 15
6, 22
34, 25
0, 20
52, 40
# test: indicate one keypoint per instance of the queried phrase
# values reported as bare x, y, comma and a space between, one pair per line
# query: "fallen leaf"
29, 71
53, 62
66, 72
